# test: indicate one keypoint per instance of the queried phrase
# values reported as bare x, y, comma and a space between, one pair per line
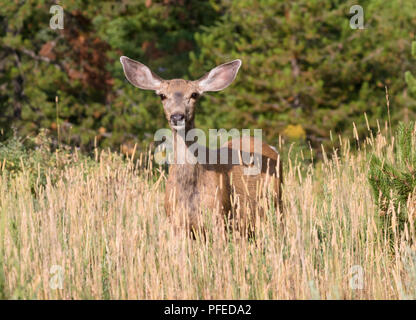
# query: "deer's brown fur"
223, 188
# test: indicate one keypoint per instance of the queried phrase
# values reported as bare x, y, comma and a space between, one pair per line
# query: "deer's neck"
185, 165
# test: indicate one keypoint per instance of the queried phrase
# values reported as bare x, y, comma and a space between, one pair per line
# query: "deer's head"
179, 96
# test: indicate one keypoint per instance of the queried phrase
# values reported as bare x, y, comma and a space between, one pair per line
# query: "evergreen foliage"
393, 182
303, 66
80, 64
38, 157
410, 80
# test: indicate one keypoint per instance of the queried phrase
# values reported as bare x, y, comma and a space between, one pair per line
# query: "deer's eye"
194, 95
162, 96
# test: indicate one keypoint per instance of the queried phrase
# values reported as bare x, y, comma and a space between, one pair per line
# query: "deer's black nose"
177, 117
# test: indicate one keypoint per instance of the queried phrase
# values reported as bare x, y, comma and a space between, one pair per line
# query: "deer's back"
225, 187
252, 183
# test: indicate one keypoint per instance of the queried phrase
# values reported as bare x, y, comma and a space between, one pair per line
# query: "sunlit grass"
104, 225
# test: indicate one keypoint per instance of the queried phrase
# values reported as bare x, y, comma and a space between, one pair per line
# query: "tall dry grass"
104, 230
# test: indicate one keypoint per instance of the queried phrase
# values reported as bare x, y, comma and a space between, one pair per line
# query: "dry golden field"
98, 230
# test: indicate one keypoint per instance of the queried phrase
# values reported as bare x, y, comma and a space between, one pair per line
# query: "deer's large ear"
220, 77
139, 75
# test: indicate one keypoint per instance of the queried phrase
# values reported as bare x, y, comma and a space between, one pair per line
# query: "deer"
223, 188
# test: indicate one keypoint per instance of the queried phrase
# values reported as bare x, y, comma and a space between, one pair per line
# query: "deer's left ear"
139, 75
220, 77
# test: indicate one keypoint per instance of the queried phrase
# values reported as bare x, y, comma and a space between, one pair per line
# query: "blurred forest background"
305, 75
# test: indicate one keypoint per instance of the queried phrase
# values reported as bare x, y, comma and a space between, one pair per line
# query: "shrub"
393, 181
410, 80
38, 157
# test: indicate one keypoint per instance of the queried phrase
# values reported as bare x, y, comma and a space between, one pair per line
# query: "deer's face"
179, 96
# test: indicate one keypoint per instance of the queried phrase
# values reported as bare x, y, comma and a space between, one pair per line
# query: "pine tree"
394, 181
80, 64
410, 80
304, 65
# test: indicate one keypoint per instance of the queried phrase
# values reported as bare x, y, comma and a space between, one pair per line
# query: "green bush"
38, 157
410, 80
302, 66
393, 182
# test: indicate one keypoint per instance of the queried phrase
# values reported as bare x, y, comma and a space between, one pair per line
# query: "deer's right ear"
220, 77
139, 75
